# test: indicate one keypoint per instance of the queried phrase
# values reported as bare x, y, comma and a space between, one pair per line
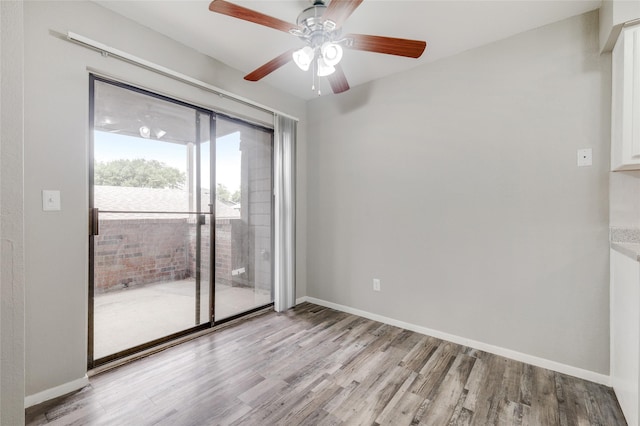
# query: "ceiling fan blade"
233, 10
270, 66
387, 45
338, 81
339, 10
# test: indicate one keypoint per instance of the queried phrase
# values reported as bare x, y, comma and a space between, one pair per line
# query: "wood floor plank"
435, 370
379, 392
315, 366
511, 380
463, 419
487, 397
340, 397
359, 397
544, 402
265, 387
511, 413
607, 403
403, 405
421, 353
526, 382
446, 397
308, 409
459, 407
328, 420
474, 384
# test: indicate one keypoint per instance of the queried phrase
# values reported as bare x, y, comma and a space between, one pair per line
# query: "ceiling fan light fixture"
320, 28
145, 132
331, 53
303, 57
324, 69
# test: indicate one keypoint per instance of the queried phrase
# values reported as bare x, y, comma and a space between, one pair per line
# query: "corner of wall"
12, 309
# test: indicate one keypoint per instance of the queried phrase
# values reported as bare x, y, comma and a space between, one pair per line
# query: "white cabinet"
625, 333
614, 14
625, 101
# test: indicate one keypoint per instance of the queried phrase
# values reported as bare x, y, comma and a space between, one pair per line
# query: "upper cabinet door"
625, 106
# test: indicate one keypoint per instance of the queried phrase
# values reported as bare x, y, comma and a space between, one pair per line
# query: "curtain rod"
127, 57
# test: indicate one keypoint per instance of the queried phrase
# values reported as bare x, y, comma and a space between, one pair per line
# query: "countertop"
631, 250
626, 241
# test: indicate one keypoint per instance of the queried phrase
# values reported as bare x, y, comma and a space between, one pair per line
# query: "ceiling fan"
320, 28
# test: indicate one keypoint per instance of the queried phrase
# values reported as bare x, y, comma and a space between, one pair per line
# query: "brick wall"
223, 252
140, 251
227, 240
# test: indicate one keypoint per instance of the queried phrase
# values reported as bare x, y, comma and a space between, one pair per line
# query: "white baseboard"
496, 350
51, 393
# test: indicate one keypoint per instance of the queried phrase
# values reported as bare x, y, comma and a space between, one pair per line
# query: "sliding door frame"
199, 213
93, 220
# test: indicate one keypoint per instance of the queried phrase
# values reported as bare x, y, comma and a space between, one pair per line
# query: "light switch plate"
376, 284
585, 157
50, 200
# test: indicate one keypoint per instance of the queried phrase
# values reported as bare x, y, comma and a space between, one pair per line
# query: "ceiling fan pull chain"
313, 76
315, 82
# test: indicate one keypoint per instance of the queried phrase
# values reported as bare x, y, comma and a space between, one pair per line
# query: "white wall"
56, 140
456, 184
12, 304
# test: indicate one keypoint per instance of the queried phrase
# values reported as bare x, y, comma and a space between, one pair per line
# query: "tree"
139, 173
223, 194
235, 197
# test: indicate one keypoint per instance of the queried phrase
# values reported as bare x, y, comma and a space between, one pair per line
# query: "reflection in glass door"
150, 249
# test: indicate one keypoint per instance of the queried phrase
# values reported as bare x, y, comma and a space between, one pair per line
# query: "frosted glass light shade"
303, 57
145, 132
324, 69
331, 53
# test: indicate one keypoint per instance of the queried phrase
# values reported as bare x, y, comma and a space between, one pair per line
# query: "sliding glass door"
151, 215
244, 228
181, 228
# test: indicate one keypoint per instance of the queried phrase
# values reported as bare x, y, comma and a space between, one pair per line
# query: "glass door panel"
244, 217
144, 286
150, 253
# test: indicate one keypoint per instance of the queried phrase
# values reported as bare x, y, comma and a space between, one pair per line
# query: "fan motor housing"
311, 19
315, 29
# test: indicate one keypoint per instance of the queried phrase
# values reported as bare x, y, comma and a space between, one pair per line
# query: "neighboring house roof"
125, 198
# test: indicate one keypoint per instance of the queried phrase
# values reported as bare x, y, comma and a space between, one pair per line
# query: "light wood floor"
313, 365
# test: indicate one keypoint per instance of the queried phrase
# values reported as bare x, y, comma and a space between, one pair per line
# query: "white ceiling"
449, 27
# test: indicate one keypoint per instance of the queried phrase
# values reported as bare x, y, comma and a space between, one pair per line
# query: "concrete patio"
134, 315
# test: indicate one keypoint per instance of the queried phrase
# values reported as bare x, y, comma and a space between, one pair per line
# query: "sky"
113, 146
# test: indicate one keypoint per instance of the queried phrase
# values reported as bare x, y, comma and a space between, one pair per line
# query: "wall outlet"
376, 284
